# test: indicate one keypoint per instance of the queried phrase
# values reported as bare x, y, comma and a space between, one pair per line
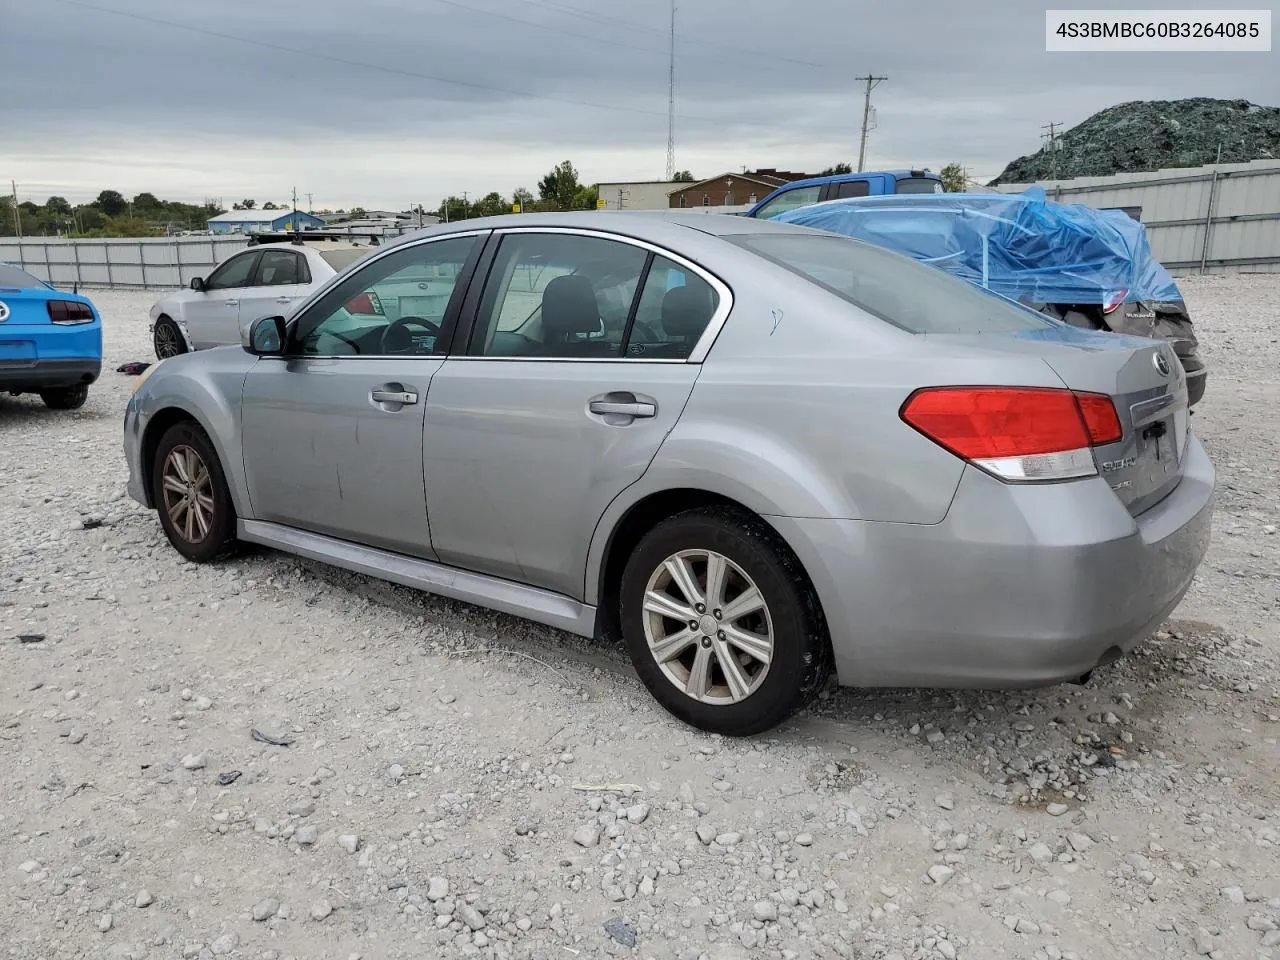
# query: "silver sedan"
756, 453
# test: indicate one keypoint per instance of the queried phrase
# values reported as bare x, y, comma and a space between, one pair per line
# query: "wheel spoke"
193, 465
666, 606
202, 520
672, 645
717, 573
699, 674
190, 526
174, 485
682, 576
752, 644
748, 601
176, 510
178, 462
735, 676
205, 502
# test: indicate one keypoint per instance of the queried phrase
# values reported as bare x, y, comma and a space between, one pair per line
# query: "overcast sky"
384, 103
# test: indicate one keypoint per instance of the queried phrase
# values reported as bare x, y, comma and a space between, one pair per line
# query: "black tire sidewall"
65, 398
222, 530
800, 659
166, 320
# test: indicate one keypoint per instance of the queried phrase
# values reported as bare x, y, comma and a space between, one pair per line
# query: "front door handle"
284, 299
232, 303
622, 404
393, 396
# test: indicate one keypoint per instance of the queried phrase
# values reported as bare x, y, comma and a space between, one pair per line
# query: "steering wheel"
399, 335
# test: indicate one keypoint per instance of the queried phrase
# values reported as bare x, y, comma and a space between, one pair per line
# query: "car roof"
657, 226
849, 177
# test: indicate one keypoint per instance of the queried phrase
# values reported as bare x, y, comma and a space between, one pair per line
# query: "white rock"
321, 910
1056, 809
437, 888
1202, 940
1040, 852
1079, 842
224, 945
946, 801
105, 921
940, 874
349, 842
265, 909
587, 836
1233, 894
638, 813
804, 839
766, 911
470, 916
143, 899
193, 761
30, 866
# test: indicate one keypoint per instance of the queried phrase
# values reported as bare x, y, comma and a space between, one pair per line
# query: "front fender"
209, 393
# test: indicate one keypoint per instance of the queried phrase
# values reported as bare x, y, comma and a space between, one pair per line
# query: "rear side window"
14, 279
895, 288
790, 200
852, 188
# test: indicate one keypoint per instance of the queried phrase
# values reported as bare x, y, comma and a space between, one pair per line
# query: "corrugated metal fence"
162, 262
1216, 219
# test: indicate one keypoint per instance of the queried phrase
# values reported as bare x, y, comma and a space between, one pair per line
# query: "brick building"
732, 189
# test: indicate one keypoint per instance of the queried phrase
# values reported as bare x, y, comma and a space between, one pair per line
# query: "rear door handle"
622, 404
393, 396
232, 303
284, 299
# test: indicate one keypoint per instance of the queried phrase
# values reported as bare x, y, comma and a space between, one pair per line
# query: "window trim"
467, 320
451, 322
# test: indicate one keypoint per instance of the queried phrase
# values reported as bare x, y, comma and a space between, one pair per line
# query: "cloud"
390, 102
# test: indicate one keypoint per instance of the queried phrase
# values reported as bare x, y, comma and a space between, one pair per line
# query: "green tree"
584, 198
146, 202
245, 204
454, 208
58, 206
837, 169
682, 176
269, 206
523, 198
111, 203
357, 213
490, 205
560, 186
953, 178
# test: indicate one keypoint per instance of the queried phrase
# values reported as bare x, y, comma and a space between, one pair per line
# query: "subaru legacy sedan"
754, 452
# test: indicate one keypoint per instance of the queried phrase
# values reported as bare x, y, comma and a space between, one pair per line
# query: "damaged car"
1086, 267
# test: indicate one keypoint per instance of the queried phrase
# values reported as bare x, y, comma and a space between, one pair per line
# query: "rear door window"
852, 188
799, 197
895, 288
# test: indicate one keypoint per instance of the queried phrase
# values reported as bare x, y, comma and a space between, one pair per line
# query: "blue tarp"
1020, 245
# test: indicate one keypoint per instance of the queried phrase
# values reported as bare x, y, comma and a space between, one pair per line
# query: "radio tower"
671, 101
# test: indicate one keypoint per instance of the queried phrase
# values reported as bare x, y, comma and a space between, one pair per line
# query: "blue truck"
874, 183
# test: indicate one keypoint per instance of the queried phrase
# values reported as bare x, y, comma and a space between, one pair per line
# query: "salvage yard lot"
461, 783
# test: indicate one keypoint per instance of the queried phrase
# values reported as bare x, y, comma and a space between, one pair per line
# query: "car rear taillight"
1114, 301
361, 303
69, 312
1017, 433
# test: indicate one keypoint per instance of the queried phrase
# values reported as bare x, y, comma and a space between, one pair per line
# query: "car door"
559, 398
281, 280
212, 315
332, 431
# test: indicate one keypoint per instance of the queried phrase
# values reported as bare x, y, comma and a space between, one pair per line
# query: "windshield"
14, 279
919, 185
895, 288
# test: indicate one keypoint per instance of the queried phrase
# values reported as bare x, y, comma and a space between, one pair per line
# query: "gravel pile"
271, 759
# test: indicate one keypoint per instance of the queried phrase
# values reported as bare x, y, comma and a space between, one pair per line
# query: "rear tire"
191, 495
65, 398
737, 660
167, 339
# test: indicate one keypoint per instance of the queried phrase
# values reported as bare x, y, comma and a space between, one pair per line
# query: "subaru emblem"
1161, 365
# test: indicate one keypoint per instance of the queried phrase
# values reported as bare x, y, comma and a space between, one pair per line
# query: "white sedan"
264, 280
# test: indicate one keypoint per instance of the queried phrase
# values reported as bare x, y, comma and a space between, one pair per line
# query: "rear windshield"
14, 279
339, 259
895, 288
918, 185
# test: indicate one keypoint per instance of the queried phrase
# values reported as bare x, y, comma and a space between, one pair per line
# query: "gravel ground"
463, 784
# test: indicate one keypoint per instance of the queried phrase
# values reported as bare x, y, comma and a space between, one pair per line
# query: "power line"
382, 68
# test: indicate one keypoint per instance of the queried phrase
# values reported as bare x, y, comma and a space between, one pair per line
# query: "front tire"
191, 495
167, 339
65, 398
721, 622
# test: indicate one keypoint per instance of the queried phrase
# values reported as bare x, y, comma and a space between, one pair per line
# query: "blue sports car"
50, 341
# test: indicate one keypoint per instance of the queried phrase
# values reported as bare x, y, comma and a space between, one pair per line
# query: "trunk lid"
25, 307
1145, 380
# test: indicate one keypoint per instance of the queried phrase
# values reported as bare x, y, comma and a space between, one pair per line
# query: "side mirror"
265, 337
197, 283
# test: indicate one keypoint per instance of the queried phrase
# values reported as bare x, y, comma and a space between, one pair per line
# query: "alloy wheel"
166, 337
708, 627
188, 493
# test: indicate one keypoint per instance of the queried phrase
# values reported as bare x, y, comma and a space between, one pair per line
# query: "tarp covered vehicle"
1087, 267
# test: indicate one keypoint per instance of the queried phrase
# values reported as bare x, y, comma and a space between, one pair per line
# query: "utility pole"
464, 204
1052, 144
310, 208
295, 208
17, 214
671, 100
872, 82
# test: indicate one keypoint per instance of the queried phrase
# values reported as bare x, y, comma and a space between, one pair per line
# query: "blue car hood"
1021, 246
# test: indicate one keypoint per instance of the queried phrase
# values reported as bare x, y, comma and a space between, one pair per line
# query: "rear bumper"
36, 375
1019, 586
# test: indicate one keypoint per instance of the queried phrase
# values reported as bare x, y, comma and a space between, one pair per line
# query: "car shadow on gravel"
29, 410
1029, 746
